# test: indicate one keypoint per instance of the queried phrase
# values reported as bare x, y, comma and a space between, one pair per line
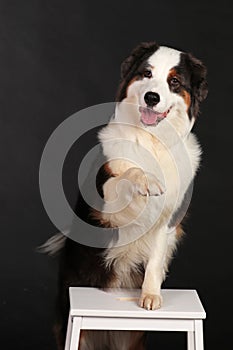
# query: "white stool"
91, 308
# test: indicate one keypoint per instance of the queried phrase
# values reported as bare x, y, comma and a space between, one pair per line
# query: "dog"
151, 158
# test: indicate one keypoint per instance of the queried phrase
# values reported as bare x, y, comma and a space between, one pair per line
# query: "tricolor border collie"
157, 104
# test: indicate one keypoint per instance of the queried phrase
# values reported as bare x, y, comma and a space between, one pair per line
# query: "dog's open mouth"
150, 117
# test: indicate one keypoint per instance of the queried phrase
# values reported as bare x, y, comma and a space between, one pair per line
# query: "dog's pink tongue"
148, 116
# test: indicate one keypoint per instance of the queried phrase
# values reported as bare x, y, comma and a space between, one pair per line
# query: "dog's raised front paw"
144, 183
150, 301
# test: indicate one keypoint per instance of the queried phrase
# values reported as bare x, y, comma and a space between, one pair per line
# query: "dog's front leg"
126, 195
154, 273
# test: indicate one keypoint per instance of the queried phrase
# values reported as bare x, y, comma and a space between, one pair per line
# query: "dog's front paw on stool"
150, 301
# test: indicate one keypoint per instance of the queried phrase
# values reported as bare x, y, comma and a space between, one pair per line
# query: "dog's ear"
199, 86
129, 67
139, 54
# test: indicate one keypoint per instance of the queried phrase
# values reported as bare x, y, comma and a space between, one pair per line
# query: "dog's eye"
147, 73
174, 82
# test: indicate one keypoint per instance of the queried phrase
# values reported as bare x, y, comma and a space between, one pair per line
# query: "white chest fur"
173, 160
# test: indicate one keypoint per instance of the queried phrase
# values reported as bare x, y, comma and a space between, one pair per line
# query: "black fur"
193, 73
134, 65
82, 265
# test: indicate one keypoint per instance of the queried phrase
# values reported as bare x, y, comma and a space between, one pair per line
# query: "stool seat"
117, 309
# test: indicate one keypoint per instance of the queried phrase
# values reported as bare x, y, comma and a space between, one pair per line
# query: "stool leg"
190, 341
198, 335
77, 324
68, 333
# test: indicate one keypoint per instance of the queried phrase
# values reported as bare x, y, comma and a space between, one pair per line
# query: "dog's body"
151, 159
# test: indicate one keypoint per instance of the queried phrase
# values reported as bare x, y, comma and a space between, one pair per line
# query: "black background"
57, 57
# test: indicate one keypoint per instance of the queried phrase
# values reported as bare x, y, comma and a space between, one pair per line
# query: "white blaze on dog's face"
163, 83
153, 89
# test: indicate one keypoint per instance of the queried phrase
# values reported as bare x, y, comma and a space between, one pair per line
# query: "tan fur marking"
172, 73
98, 217
137, 341
187, 98
114, 340
108, 169
179, 232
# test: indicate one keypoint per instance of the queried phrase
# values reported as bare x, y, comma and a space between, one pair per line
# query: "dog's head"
164, 83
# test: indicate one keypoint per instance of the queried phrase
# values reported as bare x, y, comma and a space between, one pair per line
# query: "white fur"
171, 154
161, 62
54, 244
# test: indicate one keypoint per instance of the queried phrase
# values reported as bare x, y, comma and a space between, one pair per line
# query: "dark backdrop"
57, 57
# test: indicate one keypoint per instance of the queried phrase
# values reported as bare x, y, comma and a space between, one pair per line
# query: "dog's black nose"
151, 98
